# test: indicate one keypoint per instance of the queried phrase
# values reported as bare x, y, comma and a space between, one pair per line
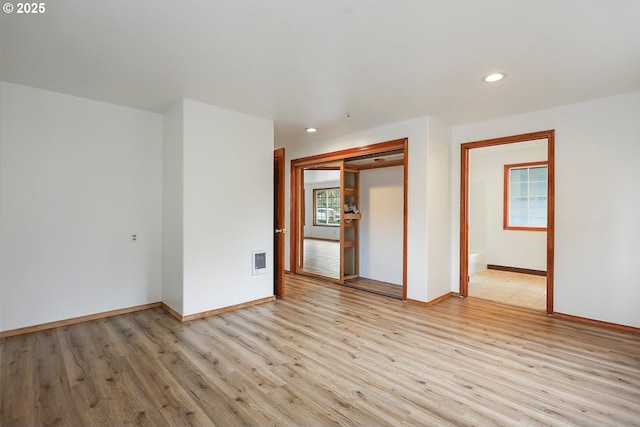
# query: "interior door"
278, 223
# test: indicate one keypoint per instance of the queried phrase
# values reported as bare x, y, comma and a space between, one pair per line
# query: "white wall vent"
259, 262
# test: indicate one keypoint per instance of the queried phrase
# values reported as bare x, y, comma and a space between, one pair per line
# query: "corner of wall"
439, 218
172, 206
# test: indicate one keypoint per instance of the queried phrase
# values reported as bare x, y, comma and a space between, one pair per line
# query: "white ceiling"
321, 176
308, 63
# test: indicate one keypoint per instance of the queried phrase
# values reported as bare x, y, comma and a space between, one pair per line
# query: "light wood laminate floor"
325, 355
322, 257
375, 286
522, 290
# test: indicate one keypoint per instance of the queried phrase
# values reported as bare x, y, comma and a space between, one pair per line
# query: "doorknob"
281, 230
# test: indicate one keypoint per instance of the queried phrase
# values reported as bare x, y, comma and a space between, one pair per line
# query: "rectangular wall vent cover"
259, 264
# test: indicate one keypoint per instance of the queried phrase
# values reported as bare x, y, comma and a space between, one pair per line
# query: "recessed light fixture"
311, 130
494, 77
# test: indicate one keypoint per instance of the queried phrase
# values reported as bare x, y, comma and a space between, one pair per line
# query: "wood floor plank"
325, 355
50, 382
376, 286
128, 398
322, 257
88, 391
174, 402
17, 403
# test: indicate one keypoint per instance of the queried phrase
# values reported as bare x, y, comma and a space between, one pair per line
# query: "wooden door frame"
279, 217
300, 164
465, 148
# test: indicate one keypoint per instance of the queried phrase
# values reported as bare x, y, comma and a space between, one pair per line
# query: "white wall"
172, 207
76, 178
228, 206
510, 248
381, 227
596, 229
438, 212
416, 131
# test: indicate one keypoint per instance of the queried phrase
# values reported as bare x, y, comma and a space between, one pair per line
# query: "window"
525, 196
327, 207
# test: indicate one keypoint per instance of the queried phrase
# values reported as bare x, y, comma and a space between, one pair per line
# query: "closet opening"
349, 217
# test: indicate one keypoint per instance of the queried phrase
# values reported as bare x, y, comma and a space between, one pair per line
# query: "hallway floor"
322, 257
522, 290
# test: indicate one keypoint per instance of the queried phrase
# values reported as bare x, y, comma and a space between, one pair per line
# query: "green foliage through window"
526, 186
327, 206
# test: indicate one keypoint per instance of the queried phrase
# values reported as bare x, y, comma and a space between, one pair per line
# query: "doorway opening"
528, 205
333, 218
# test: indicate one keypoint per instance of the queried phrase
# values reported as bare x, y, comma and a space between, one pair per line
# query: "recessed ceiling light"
495, 77
311, 130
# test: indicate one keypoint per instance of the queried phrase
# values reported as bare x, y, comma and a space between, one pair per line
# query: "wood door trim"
464, 207
293, 221
381, 147
306, 162
405, 228
342, 242
551, 214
